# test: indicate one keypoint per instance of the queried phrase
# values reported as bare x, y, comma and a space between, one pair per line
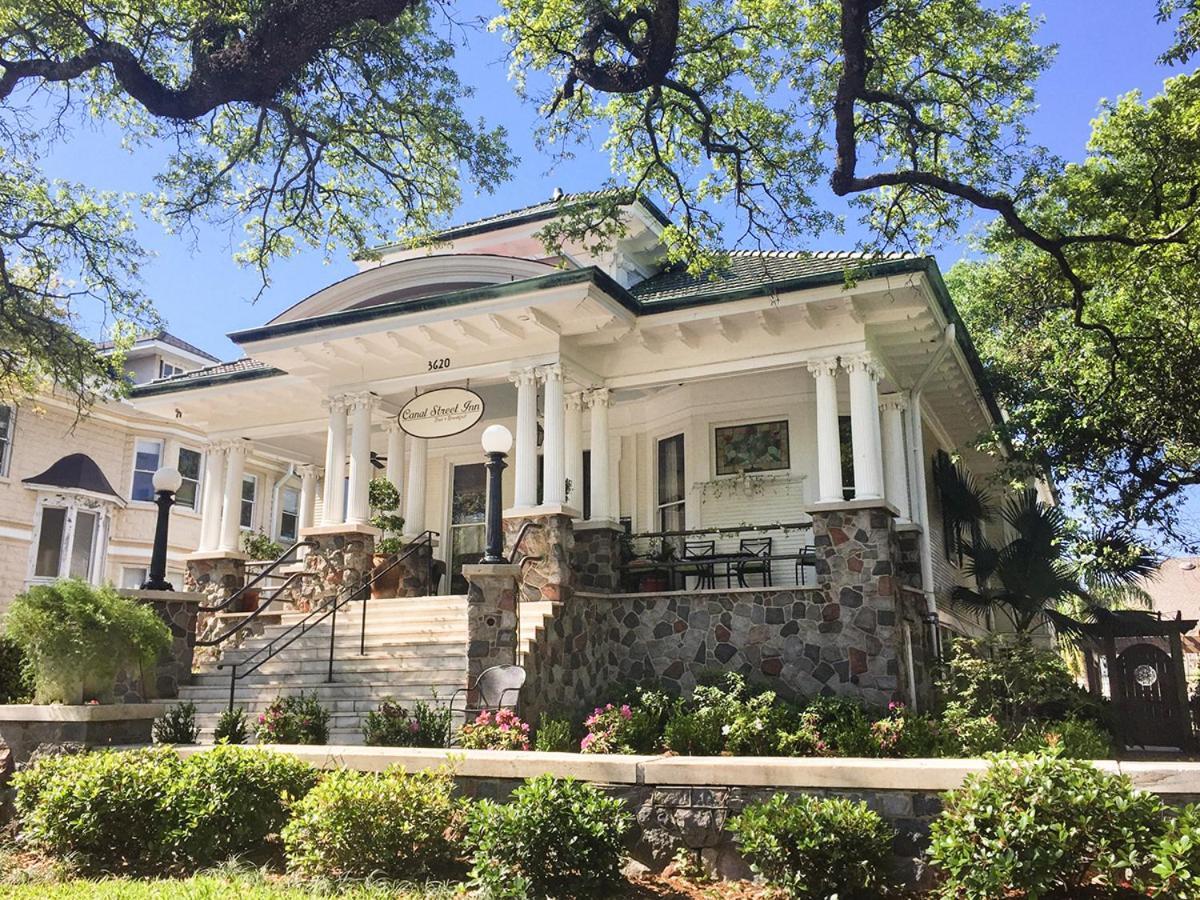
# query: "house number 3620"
436, 364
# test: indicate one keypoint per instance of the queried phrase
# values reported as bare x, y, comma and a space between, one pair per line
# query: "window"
758, 447
671, 491
8, 417
289, 515
147, 457
68, 543
249, 488
166, 369
189, 467
585, 489
133, 576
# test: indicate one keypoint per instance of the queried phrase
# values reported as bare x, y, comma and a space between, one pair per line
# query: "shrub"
1041, 825
502, 730
967, 735
1176, 858
235, 798
258, 545
698, 732
830, 726
109, 809
76, 638
355, 824
177, 725
554, 736
16, 679
1074, 739
815, 847
607, 730
903, 733
295, 719
755, 725
555, 838
232, 727
391, 725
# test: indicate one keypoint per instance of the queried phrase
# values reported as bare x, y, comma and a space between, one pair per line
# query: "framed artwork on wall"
756, 447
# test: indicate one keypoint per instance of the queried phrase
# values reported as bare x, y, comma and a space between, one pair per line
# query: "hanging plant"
743, 484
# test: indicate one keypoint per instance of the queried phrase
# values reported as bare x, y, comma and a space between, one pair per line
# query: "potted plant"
385, 500
658, 579
258, 547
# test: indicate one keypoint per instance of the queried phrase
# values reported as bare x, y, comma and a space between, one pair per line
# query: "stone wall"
491, 619
336, 562
596, 558
25, 727
217, 577
178, 610
551, 541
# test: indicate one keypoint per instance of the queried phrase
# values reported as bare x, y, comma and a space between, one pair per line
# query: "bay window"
70, 537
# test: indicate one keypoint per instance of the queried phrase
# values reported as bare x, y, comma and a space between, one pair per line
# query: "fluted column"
214, 492
864, 426
308, 494
895, 468
829, 442
554, 481
525, 465
598, 401
414, 493
395, 455
231, 512
334, 508
358, 510
573, 449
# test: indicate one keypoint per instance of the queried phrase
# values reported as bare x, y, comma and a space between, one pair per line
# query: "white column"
395, 454
214, 492
358, 510
414, 494
598, 401
333, 511
573, 449
231, 514
525, 465
895, 469
308, 494
554, 480
829, 442
864, 426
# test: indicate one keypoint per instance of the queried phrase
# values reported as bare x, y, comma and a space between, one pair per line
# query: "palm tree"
1047, 565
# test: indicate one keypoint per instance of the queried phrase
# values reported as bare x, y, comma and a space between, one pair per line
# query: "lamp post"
497, 441
166, 482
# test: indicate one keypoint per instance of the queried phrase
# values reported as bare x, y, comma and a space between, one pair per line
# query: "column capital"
863, 362
552, 372
599, 397
392, 424
241, 447
335, 403
359, 400
574, 400
818, 367
893, 401
523, 377
308, 470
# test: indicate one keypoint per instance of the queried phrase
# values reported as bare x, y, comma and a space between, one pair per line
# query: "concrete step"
358, 705
285, 677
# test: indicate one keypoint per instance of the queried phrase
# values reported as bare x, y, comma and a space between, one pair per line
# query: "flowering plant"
502, 730
295, 719
392, 725
608, 730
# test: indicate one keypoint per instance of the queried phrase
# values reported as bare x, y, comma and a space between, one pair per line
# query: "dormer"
161, 355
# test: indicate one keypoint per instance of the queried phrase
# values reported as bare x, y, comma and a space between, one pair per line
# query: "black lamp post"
166, 482
497, 441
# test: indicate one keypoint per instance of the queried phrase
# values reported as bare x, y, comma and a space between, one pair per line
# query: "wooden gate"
1147, 699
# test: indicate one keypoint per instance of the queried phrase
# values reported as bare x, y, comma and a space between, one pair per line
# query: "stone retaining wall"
178, 610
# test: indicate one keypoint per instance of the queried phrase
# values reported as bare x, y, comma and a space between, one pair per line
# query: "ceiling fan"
378, 461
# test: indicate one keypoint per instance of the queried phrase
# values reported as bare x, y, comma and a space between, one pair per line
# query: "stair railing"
243, 624
267, 570
327, 610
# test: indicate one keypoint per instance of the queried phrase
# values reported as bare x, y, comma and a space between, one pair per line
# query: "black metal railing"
328, 610
285, 557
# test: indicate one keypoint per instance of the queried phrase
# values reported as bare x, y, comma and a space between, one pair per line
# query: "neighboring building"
75, 491
1174, 589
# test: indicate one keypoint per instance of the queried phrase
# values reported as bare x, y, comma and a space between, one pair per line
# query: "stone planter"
25, 726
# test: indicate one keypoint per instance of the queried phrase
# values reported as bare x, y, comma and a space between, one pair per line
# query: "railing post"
232, 685
332, 638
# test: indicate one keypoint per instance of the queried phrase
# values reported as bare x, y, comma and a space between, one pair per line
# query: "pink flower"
414, 726
626, 712
587, 741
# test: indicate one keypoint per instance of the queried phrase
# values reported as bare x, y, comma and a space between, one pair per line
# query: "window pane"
290, 515
132, 577
670, 470
470, 494
586, 488
5, 422
81, 548
49, 552
146, 460
249, 486
189, 468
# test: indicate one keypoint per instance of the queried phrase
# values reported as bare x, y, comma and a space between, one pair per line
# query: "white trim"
133, 469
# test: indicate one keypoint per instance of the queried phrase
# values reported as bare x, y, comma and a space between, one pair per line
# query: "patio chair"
758, 560
807, 558
496, 688
704, 573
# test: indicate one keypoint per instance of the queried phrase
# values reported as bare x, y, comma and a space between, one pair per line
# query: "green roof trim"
195, 380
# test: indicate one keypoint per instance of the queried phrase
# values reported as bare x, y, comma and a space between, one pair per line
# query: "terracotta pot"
387, 585
248, 601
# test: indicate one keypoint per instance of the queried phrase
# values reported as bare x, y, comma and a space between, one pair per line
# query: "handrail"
283, 557
777, 526
262, 607
318, 615
525, 528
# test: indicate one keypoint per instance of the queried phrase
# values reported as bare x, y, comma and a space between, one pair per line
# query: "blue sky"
1107, 47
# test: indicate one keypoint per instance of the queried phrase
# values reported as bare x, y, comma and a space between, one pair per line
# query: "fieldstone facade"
336, 561
179, 611
217, 577
549, 545
491, 619
597, 558
416, 572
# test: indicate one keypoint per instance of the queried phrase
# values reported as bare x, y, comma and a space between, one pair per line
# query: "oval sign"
441, 413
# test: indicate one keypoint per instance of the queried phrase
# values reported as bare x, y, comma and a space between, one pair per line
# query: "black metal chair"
757, 562
807, 558
496, 688
704, 573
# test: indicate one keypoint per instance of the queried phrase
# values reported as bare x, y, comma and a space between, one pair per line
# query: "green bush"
905, 734
232, 727
258, 545
695, 732
830, 726
177, 725
554, 838
1073, 738
1176, 858
502, 730
391, 725
232, 799
1041, 826
77, 637
814, 847
16, 678
294, 719
149, 810
355, 824
554, 736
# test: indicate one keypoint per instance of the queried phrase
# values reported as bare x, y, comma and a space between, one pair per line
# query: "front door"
1148, 706
468, 500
